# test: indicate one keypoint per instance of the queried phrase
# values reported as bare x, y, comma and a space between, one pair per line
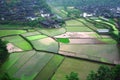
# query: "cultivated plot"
46, 44
35, 37
52, 32
30, 34
81, 67
19, 42
48, 71
11, 32
33, 66
100, 52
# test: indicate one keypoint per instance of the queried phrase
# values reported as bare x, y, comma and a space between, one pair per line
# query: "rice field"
74, 23
110, 52
77, 26
10, 61
63, 40
52, 32
44, 65
33, 66
46, 44
11, 32
35, 37
30, 64
20, 62
50, 68
81, 67
18, 42
78, 29
30, 34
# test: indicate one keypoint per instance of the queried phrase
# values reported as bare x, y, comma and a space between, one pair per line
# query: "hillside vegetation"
85, 2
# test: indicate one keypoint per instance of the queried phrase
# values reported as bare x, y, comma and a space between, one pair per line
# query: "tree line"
103, 73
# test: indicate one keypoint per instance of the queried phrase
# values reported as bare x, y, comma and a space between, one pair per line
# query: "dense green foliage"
7, 77
3, 51
84, 2
72, 76
105, 73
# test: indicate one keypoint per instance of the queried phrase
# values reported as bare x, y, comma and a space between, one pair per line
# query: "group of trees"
3, 51
103, 73
20, 9
72, 76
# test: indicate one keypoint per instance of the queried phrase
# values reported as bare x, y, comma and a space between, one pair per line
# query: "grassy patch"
81, 67
63, 40
10, 32
19, 42
36, 37
50, 68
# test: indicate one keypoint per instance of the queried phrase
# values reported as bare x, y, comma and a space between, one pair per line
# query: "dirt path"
11, 48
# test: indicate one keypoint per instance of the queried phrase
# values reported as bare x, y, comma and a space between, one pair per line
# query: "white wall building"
87, 15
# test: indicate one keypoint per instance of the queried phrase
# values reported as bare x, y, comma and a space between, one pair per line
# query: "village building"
51, 23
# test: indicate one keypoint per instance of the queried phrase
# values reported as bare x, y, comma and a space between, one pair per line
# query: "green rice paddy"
50, 68
46, 44
19, 42
52, 32
11, 32
73, 65
78, 29
36, 37
63, 40
108, 51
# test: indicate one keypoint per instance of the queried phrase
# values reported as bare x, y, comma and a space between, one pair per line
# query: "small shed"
103, 31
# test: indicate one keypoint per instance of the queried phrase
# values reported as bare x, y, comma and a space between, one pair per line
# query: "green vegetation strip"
81, 67
63, 40
33, 66
11, 32
50, 68
36, 37
19, 42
